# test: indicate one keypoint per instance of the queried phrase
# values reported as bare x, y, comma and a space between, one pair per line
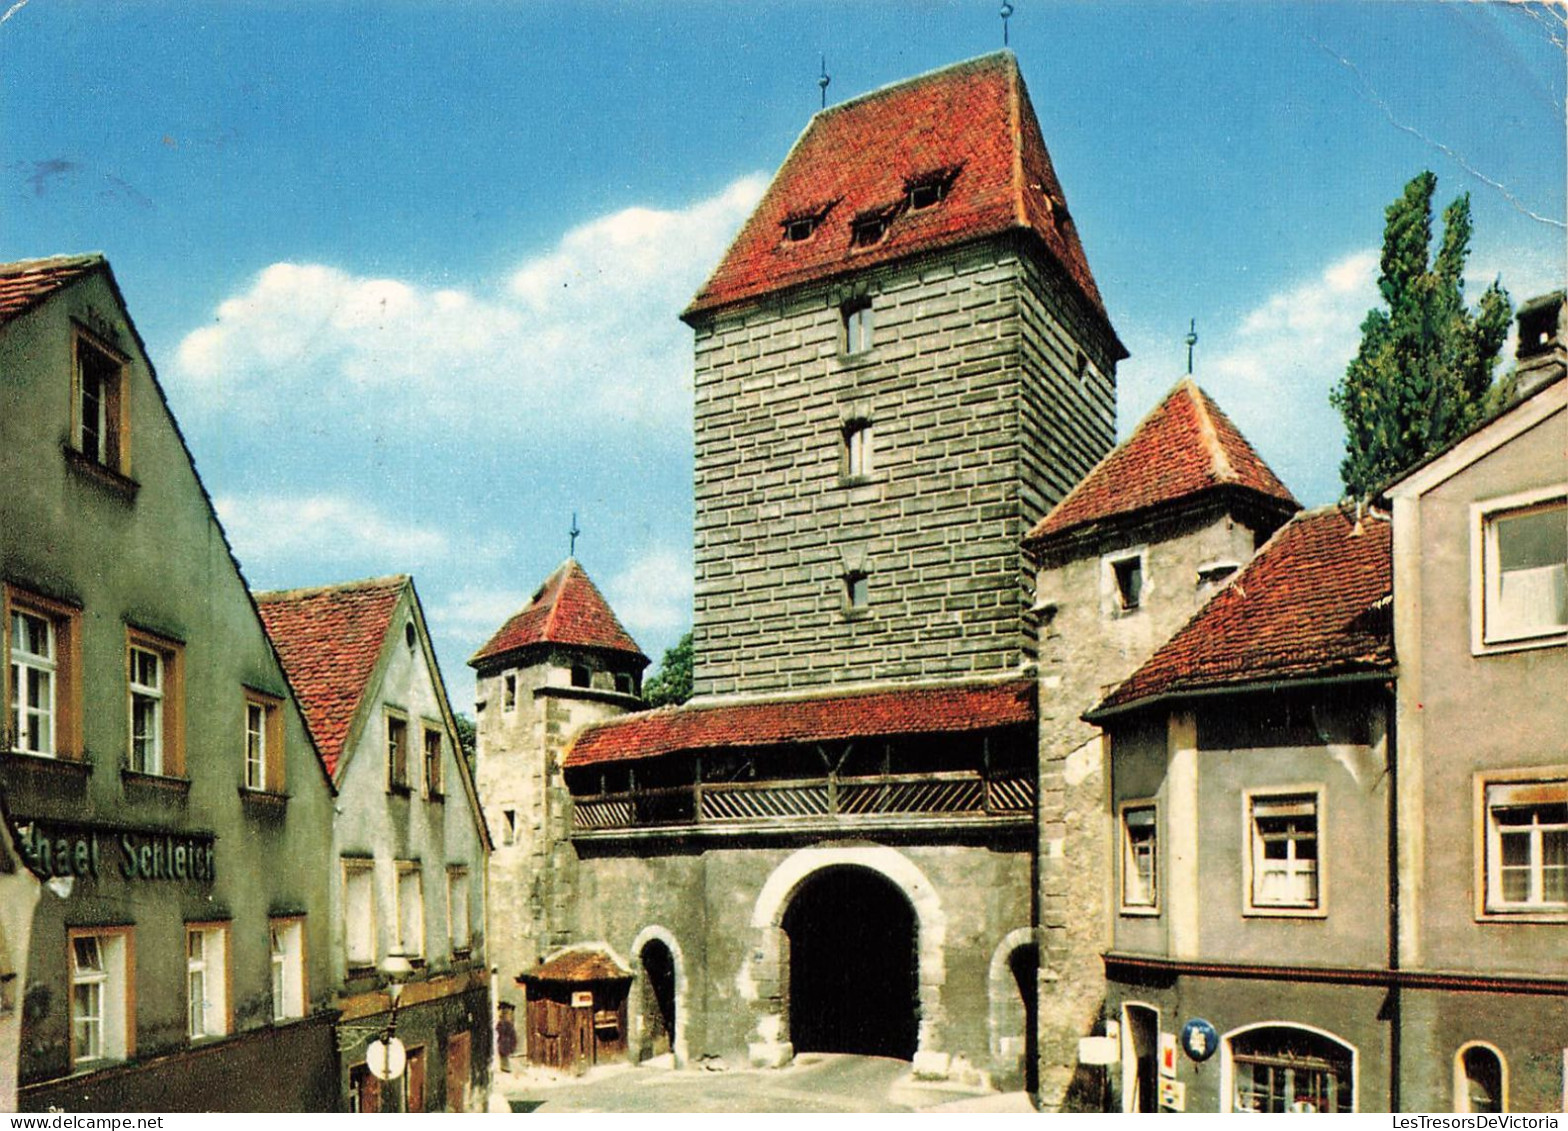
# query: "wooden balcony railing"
961, 795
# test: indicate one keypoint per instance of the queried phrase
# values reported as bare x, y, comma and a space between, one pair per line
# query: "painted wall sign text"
134, 854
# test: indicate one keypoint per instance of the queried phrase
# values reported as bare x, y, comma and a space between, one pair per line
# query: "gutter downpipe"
1395, 992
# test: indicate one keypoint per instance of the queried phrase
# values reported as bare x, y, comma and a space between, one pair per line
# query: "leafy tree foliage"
1423, 375
672, 682
465, 735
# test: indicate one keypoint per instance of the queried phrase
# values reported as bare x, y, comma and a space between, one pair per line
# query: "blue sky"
410, 272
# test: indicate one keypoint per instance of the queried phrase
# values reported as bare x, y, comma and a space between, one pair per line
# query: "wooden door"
457, 1058
416, 1080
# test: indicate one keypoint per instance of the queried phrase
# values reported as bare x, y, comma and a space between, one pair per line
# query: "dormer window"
800, 229
867, 231
926, 190
803, 223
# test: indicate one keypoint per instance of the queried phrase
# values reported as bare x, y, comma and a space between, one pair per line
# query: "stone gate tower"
902, 363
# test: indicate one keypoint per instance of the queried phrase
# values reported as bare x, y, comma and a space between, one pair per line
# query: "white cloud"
475, 613
327, 528
588, 329
653, 594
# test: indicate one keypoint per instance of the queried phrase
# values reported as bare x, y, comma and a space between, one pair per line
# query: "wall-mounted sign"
582, 999
137, 854
1199, 1040
1173, 1095
1168, 1055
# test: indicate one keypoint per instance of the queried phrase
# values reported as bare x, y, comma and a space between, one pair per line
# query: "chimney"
1542, 355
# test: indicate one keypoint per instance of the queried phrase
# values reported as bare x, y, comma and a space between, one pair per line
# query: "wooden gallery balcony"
923, 758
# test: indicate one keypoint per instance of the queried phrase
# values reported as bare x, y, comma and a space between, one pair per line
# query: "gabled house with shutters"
409, 840
155, 766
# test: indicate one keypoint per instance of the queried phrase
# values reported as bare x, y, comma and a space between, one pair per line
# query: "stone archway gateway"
765, 980
853, 965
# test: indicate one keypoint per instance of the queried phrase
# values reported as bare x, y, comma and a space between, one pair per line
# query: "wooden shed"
576, 1005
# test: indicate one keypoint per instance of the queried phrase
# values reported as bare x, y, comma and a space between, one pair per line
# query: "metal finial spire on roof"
1191, 340
573, 532
822, 82
1007, 12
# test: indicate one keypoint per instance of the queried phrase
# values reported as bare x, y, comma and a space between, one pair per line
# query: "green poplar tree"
1423, 374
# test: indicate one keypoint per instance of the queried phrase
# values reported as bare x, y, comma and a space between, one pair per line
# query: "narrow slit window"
857, 449
857, 326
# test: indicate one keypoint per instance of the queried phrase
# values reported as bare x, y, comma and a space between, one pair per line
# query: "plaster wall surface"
723, 905
150, 557
1478, 714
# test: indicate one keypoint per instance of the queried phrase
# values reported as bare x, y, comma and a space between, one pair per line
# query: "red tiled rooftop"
329, 640
776, 722
30, 281
577, 966
857, 158
567, 609
1312, 603
1185, 446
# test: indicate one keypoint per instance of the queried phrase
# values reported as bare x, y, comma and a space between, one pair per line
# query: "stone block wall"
979, 422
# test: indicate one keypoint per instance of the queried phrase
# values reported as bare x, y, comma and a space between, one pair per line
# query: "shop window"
154, 689
286, 939
100, 996
856, 316
431, 737
1523, 566
99, 409
43, 676
1480, 1080
359, 913
1526, 854
1140, 858
410, 909
458, 926
1283, 834
263, 742
1279, 1068
206, 981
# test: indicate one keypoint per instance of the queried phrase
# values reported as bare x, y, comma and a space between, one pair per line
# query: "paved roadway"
822, 1082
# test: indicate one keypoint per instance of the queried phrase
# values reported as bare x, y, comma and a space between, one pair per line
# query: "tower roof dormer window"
802, 223
928, 189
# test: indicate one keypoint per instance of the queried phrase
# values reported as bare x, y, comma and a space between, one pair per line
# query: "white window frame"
286, 943
459, 925
1280, 800
206, 975
359, 913
1462, 1077
255, 744
1533, 787
432, 769
109, 1037
109, 447
43, 704
1486, 576
1149, 904
410, 891
140, 692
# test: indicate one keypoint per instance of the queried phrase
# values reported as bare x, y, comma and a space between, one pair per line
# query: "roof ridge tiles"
390, 581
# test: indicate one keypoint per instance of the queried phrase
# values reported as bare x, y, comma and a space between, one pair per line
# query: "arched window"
1282, 1068
1480, 1080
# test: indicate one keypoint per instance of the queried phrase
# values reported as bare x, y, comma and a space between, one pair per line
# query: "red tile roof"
329, 640
1184, 447
567, 609
1313, 603
776, 722
577, 966
30, 281
858, 158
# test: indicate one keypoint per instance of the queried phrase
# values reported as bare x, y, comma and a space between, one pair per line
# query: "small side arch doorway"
658, 1000
853, 965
